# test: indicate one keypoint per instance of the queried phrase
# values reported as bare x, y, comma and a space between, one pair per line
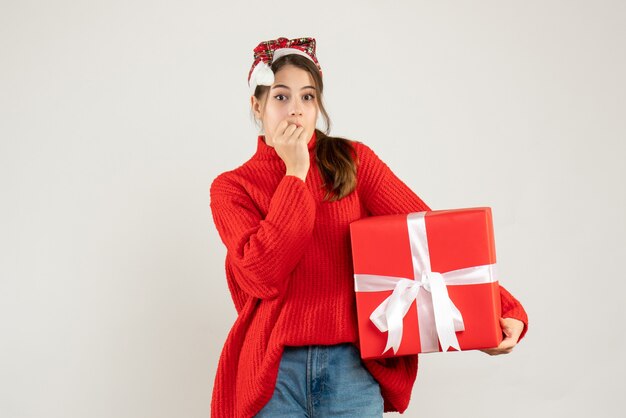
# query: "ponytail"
335, 158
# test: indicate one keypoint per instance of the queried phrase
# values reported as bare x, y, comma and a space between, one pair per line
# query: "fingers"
289, 131
505, 347
512, 329
282, 126
506, 330
295, 132
285, 129
497, 351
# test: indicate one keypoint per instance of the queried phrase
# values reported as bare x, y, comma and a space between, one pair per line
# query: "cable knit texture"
289, 271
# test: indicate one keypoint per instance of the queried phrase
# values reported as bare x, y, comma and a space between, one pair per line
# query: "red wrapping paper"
457, 239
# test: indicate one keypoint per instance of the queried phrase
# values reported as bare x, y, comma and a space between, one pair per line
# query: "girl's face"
293, 97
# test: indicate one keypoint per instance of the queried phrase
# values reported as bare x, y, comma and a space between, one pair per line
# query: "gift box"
426, 282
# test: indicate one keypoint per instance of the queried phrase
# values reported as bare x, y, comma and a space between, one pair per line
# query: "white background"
117, 115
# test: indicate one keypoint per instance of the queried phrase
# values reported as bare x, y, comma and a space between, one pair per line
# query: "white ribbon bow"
439, 319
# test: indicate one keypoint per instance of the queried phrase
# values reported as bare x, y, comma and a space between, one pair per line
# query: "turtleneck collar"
266, 152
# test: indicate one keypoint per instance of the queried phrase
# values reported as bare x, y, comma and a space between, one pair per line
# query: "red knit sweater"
289, 272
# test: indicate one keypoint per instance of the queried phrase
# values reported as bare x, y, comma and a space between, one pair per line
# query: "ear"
256, 107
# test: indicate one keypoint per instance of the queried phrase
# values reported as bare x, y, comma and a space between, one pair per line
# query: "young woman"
284, 218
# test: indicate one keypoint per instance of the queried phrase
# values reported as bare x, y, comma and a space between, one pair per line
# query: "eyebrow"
283, 86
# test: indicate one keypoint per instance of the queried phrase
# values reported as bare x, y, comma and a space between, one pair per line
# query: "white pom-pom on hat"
261, 75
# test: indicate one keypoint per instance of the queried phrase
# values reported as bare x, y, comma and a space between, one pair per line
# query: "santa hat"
267, 51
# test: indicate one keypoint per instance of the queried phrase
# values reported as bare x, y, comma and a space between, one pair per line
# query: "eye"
312, 97
279, 95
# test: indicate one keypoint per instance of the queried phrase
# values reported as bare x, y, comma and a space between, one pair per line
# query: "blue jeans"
324, 381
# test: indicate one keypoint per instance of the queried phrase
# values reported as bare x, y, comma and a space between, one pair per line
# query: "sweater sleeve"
512, 308
263, 251
383, 193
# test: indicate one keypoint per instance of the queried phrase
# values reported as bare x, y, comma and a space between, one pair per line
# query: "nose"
296, 108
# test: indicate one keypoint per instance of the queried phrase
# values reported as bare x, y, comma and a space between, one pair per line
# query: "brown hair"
334, 155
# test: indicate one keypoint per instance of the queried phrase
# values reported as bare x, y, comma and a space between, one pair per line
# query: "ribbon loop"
388, 316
